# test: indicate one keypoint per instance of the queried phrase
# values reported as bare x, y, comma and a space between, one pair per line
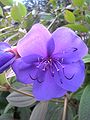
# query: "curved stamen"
68, 77
57, 60
51, 70
55, 65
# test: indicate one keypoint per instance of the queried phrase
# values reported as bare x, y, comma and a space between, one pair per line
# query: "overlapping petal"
47, 89
68, 45
72, 76
4, 46
34, 42
6, 58
25, 73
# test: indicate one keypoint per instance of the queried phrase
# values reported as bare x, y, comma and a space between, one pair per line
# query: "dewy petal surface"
72, 76
24, 71
34, 42
47, 89
68, 44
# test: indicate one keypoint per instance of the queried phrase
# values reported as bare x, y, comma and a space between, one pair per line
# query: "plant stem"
52, 22
21, 92
65, 108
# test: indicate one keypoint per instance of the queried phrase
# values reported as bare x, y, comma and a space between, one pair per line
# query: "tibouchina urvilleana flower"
51, 62
6, 57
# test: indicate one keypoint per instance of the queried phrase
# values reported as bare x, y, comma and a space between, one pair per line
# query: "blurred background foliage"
16, 19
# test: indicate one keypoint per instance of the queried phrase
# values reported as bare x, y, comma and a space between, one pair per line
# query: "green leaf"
78, 27
53, 2
3, 101
7, 2
46, 16
24, 113
21, 100
55, 111
77, 95
3, 79
1, 11
69, 16
18, 11
87, 18
78, 3
6, 117
39, 111
84, 107
86, 59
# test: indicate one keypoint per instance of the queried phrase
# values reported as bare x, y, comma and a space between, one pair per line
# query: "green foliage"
69, 16
1, 11
15, 21
78, 27
78, 3
18, 11
7, 2
21, 100
3, 79
86, 59
84, 107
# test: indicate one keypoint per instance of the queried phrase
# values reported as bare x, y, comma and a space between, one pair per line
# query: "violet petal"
25, 73
69, 44
72, 76
47, 89
34, 42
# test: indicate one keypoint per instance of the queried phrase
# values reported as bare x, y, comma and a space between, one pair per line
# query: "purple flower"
6, 57
52, 62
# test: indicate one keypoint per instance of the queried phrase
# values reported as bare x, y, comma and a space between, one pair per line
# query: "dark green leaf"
54, 112
84, 108
6, 117
21, 100
24, 113
39, 111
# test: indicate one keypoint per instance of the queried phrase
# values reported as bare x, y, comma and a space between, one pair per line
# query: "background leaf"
78, 2
20, 100
18, 11
7, 2
78, 27
84, 107
69, 16
6, 117
39, 111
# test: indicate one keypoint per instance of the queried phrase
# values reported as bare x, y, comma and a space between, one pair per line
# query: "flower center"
51, 64
54, 65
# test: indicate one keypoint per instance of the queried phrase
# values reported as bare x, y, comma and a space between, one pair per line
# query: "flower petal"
4, 46
34, 42
68, 44
25, 73
6, 59
30, 59
71, 76
47, 89
50, 47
